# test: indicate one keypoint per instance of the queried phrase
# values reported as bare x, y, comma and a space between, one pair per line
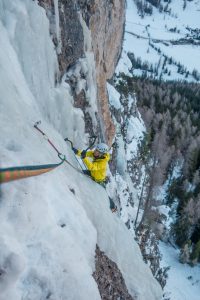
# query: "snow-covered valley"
165, 40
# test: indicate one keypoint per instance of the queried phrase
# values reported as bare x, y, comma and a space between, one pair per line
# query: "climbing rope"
60, 155
45, 136
14, 173
113, 207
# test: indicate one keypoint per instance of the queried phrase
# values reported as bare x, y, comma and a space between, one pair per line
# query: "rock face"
105, 19
106, 25
109, 279
70, 30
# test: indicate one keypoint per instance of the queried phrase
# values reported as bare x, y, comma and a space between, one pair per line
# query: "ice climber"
96, 161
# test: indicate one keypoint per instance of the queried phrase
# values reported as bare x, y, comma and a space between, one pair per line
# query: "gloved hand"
75, 150
83, 154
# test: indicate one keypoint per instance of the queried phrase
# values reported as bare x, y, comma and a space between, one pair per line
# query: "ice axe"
92, 142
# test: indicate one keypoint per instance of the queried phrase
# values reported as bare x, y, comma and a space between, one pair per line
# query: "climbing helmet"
103, 148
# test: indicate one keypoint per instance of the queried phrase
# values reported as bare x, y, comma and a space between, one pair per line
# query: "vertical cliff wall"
106, 25
105, 20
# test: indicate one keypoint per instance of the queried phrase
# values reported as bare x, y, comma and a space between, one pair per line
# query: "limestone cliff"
106, 24
105, 20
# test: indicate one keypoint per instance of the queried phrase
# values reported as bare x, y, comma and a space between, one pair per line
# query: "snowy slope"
164, 39
50, 224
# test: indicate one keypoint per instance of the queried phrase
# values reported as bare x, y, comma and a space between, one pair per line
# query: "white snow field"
157, 29
50, 224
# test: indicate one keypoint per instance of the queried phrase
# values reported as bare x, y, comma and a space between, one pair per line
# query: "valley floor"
183, 281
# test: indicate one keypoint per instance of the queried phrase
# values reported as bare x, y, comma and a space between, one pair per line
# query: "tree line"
171, 111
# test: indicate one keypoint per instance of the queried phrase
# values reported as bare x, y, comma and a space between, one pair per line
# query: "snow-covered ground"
144, 34
183, 281
50, 224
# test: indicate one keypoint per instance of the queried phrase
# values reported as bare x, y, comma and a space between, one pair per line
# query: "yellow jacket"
97, 166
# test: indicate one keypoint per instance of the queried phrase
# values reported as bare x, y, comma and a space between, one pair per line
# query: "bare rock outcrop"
109, 279
106, 25
70, 31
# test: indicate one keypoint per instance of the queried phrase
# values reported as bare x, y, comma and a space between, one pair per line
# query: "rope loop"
61, 156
